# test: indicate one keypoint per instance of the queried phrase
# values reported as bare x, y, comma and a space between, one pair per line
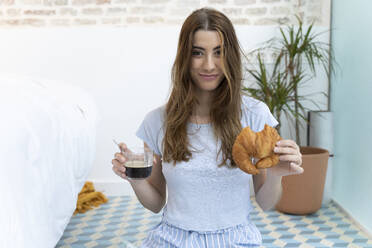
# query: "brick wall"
42, 13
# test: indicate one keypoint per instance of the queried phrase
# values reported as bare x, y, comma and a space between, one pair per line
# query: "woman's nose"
209, 63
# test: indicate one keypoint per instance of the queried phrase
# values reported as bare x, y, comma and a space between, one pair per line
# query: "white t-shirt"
201, 195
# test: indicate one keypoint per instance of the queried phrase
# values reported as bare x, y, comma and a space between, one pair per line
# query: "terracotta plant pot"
303, 194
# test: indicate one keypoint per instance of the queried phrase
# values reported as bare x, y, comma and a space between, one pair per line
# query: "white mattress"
47, 147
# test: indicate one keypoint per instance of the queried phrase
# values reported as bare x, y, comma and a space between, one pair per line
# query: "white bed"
47, 147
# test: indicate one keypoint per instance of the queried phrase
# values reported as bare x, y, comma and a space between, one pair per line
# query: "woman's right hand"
119, 162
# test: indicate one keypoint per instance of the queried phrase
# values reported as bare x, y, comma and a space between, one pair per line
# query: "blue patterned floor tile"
267, 239
287, 236
125, 220
316, 245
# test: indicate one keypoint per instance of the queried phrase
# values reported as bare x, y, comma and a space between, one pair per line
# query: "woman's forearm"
148, 195
270, 192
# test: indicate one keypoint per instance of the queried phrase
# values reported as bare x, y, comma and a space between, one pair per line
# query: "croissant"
260, 145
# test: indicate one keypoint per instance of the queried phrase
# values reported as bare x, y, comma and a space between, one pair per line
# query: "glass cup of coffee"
139, 162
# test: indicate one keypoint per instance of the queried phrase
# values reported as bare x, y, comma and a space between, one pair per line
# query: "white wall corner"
366, 231
113, 188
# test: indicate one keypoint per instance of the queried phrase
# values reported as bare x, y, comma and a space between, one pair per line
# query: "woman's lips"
208, 77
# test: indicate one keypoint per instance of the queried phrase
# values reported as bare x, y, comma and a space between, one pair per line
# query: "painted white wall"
126, 70
351, 101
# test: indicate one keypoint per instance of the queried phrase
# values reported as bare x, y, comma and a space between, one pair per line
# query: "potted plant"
277, 84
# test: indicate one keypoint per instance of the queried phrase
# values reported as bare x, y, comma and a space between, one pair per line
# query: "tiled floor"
123, 222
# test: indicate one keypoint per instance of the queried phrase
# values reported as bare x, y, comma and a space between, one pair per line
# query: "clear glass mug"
139, 162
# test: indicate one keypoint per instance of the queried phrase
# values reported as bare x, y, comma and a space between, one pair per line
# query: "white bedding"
47, 147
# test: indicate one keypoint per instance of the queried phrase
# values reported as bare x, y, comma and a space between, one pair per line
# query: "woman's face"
206, 61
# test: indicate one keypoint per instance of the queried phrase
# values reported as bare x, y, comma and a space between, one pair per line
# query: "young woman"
206, 198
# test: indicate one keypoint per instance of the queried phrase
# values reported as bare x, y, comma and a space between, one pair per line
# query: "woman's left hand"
290, 159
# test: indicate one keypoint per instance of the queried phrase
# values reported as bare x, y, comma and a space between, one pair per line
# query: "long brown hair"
225, 110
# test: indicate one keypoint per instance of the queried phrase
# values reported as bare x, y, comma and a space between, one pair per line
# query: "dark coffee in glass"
139, 162
137, 169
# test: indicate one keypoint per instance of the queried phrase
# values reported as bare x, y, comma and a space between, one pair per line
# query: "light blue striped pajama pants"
166, 235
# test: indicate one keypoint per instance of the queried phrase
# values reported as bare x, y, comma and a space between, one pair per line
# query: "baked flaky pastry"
260, 145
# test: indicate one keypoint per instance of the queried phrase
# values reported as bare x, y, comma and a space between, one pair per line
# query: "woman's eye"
196, 53
218, 53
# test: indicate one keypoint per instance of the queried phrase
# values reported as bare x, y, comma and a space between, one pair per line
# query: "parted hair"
225, 112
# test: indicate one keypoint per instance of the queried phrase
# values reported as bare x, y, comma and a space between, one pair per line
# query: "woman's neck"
201, 112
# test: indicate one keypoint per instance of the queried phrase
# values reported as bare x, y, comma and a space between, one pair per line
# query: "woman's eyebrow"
201, 48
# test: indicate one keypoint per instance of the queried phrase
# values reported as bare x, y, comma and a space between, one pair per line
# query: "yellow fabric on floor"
88, 198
